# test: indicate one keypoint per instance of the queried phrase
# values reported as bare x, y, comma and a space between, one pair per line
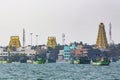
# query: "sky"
77, 19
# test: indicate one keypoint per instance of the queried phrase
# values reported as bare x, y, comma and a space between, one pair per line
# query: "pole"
24, 40
31, 38
110, 33
36, 40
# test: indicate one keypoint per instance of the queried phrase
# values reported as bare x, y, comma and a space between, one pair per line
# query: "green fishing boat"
74, 61
101, 62
80, 60
39, 61
3, 62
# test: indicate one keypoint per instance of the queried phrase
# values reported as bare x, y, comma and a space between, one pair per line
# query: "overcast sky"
78, 19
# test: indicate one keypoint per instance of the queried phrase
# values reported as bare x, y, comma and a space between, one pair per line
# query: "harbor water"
59, 71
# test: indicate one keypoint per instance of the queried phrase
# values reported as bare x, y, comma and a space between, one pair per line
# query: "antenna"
63, 38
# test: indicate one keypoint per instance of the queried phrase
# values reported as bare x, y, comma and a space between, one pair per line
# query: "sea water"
59, 71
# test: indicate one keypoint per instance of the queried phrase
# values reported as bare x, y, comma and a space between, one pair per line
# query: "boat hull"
39, 62
100, 63
81, 60
3, 62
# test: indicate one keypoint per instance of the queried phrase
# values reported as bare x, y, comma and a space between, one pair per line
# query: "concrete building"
66, 53
79, 51
60, 55
28, 51
72, 46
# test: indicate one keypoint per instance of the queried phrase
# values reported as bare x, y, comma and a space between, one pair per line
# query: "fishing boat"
76, 61
39, 61
81, 60
29, 61
101, 62
3, 62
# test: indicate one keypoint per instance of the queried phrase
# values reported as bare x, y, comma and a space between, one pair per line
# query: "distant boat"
3, 62
76, 61
15, 62
29, 61
101, 62
39, 61
81, 60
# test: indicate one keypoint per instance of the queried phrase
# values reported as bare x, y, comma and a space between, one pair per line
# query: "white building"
28, 51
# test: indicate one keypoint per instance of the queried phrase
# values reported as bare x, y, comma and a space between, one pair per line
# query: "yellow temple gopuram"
51, 42
101, 38
14, 43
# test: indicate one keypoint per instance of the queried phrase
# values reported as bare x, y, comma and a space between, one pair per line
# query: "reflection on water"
59, 71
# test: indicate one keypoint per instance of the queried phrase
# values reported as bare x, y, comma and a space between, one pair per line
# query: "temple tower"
14, 43
51, 42
101, 38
